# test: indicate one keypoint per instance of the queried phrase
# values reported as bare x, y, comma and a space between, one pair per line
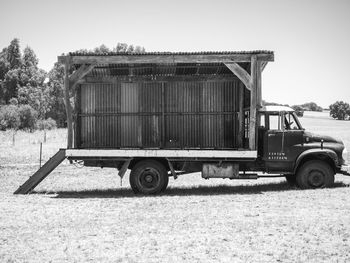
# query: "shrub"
28, 117
47, 124
340, 110
9, 117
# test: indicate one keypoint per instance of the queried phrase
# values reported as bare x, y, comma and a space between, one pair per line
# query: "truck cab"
284, 147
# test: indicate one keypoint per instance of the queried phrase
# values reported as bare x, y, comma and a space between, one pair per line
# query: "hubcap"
149, 178
316, 178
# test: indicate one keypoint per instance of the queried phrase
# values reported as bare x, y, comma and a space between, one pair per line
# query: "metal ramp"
42, 173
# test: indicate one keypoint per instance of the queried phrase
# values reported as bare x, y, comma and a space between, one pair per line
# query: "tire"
291, 179
315, 174
148, 177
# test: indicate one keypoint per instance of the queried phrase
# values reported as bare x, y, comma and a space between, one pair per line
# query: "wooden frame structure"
79, 65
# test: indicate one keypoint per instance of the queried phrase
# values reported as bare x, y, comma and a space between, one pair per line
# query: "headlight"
345, 155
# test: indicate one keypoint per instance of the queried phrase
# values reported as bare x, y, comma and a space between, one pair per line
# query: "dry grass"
84, 215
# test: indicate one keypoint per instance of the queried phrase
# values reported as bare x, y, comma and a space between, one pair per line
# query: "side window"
275, 122
262, 121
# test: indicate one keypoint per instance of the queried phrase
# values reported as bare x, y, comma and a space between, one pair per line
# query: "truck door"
283, 140
293, 137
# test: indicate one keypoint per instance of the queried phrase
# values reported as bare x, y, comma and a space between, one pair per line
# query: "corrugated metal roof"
163, 69
253, 52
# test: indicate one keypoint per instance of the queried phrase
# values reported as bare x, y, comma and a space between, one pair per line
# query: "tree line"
339, 110
30, 97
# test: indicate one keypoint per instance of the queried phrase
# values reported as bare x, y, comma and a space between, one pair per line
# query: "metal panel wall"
178, 115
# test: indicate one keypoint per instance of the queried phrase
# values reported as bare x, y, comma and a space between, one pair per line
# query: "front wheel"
315, 174
148, 177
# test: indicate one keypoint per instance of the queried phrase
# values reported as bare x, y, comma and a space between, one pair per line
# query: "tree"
34, 92
139, 49
14, 54
121, 47
130, 49
4, 64
26, 83
28, 117
340, 110
10, 84
102, 49
9, 117
311, 106
29, 58
55, 87
10, 64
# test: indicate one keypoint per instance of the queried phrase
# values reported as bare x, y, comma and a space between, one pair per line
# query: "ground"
85, 215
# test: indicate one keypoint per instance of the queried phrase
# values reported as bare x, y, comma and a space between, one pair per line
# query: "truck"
165, 114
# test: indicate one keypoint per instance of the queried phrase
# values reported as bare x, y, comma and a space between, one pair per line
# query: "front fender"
317, 154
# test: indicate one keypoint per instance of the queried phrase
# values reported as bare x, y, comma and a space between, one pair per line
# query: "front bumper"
345, 170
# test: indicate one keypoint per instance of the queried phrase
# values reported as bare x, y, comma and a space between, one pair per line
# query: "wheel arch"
325, 155
135, 161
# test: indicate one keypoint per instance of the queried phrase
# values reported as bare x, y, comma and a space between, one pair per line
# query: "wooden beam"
240, 73
263, 65
79, 74
68, 106
113, 79
165, 58
253, 105
159, 153
75, 75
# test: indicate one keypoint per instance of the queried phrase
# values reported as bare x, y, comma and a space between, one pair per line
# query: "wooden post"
241, 116
70, 83
68, 106
77, 118
258, 84
253, 104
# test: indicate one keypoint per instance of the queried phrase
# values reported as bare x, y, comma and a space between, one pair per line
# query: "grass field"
85, 215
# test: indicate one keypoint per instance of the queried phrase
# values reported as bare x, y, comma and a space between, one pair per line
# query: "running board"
42, 173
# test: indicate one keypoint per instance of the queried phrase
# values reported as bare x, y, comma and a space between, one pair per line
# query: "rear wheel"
149, 177
315, 174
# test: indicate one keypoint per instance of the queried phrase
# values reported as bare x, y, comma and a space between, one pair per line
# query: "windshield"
291, 121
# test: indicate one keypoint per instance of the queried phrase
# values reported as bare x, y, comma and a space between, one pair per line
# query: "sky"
310, 39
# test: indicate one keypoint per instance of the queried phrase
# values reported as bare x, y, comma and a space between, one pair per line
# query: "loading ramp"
42, 173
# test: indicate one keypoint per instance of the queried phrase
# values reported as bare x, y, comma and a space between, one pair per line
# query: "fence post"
41, 150
13, 138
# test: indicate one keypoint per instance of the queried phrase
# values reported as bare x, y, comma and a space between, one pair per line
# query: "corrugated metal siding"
185, 114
